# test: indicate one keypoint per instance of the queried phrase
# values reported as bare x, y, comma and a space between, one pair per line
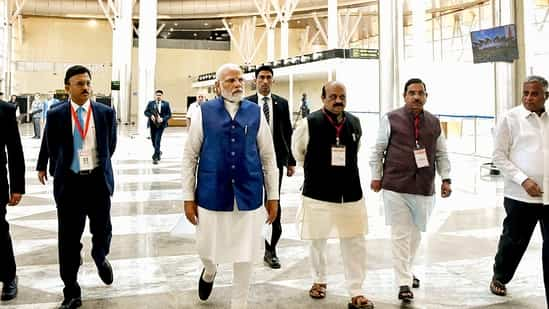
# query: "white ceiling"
176, 9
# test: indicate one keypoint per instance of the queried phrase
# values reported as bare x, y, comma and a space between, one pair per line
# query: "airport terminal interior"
133, 47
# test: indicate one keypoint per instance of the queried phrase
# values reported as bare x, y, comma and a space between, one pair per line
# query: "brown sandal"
360, 302
318, 290
498, 288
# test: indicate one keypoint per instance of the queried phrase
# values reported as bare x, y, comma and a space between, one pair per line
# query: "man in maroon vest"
409, 147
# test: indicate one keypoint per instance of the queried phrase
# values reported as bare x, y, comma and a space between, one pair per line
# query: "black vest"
323, 181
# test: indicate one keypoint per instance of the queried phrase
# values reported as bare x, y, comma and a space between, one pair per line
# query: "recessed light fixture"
195, 34
171, 29
92, 23
205, 24
299, 21
175, 24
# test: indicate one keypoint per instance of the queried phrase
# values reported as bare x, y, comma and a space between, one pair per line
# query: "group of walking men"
238, 148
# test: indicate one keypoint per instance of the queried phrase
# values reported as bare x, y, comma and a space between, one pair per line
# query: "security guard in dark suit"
10, 192
277, 112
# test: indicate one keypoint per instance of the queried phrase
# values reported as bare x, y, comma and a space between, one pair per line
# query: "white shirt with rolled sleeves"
216, 229
521, 151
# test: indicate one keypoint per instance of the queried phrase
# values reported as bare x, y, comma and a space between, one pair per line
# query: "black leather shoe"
9, 290
71, 303
271, 260
204, 288
105, 272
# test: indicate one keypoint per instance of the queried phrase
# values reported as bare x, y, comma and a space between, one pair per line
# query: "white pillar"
332, 24
5, 46
271, 43
390, 54
147, 60
284, 38
122, 59
291, 96
508, 77
420, 48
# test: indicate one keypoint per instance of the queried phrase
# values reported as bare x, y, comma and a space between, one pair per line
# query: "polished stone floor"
155, 269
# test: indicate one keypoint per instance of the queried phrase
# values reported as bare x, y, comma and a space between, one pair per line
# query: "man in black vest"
10, 192
327, 143
409, 147
277, 113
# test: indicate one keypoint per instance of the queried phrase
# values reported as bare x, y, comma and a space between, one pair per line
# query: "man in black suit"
158, 112
81, 138
277, 113
10, 192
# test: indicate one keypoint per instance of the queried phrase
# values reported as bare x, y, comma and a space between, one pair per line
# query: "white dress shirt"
89, 143
521, 151
270, 104
193, 145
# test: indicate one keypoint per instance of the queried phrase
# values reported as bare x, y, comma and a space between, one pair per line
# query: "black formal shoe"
71, 303
105, 272
155, 161
271, 260
9, 291
204, 288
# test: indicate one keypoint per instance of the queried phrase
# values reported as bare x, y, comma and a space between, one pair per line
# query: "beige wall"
62, 41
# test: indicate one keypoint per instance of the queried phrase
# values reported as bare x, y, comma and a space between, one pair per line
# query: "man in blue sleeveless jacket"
230, 143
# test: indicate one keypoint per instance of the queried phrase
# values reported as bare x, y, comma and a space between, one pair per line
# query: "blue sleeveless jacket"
229, 167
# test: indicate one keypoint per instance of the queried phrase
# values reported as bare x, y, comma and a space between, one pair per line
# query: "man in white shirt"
228, 159
200, 98
521, 152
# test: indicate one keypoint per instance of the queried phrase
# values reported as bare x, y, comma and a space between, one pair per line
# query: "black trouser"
277, 225
84, 195
7, 259
518, 227
156, 137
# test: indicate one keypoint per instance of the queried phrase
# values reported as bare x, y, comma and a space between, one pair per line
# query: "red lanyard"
416, 125
338, 127
84, 132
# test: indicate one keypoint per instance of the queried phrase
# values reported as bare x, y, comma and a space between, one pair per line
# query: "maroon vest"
400, 173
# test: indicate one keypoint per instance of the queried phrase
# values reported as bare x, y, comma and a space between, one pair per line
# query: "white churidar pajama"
230, 237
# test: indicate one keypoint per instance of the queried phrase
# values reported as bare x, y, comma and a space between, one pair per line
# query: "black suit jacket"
59, 139
10, 140
282, 130
165, 113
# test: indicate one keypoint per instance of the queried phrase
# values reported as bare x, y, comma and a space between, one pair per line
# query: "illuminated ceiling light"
195, 34
175, 24
92, 23
299, 21
205, 24
171, 29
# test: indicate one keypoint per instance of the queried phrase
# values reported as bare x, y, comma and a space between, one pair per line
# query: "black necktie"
266, 108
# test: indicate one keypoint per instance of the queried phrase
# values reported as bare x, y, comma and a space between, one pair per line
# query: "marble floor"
156, 269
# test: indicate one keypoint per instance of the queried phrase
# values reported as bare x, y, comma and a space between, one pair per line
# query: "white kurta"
229, 237
319, 219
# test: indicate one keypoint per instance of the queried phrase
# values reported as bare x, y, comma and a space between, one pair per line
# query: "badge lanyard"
84, 132
416, 127
336, 126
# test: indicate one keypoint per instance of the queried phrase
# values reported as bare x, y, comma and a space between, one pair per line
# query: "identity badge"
338, 155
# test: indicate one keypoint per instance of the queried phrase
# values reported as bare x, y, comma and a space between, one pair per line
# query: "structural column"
147, 59
5, 50
508, 77
284, 37
271, 42
390, 54
122, 58
332, 24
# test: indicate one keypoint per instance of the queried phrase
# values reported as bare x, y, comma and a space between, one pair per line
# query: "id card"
338, 155
421, 157
85, 160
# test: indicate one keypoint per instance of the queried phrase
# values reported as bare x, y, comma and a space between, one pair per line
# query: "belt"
86, 172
